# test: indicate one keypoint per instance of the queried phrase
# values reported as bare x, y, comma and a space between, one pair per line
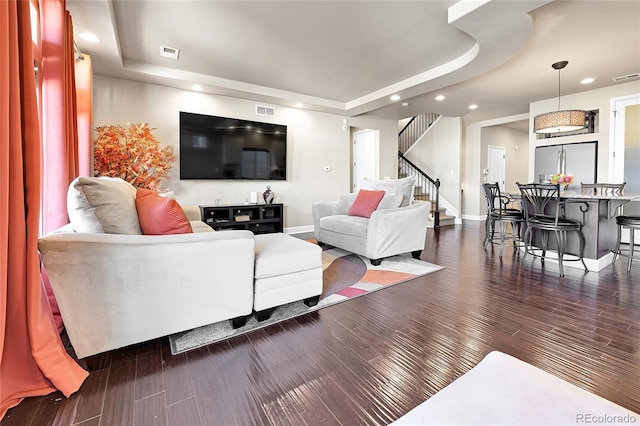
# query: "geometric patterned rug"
345, 276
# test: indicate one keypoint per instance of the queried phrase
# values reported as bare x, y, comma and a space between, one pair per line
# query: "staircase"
427, 188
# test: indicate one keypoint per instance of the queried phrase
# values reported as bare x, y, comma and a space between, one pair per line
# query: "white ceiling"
348, 57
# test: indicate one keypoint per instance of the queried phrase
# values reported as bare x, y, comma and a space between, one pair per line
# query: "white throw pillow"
390, 201
402, 186
345, 202
103, 205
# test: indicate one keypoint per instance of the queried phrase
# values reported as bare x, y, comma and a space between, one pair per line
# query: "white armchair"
388, 232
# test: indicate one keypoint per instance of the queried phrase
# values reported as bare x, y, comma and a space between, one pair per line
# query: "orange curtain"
84, 88
33, 360
59, 122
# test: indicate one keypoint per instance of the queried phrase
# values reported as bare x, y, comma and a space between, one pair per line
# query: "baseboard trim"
474, 217
298, 229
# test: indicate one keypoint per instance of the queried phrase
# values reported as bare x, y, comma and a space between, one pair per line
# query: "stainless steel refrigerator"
578, 159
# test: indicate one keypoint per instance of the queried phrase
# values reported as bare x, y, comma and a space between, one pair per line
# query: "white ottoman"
287, 269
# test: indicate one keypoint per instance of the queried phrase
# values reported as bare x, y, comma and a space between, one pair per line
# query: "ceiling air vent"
169, 52
265, 110
626, 77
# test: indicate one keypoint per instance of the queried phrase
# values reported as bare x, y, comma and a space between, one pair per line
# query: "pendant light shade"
559, 121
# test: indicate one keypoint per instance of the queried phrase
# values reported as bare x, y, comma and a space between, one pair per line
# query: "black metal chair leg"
560, 238
631, 244
582, 244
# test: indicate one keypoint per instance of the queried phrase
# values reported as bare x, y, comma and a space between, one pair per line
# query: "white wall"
473, 204
314, 140
437, 153
516, 145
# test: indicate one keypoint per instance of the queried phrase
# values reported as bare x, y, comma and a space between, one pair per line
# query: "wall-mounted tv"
229, 148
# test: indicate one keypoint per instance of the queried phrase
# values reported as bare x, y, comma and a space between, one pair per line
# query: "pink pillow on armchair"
366, 203
159, 215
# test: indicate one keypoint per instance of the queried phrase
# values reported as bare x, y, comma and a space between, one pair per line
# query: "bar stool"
543, 211
633, 223
498, 213
602, 188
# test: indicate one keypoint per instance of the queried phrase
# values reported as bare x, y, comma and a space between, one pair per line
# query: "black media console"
257, 218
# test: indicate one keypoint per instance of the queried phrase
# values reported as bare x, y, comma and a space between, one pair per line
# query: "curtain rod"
79, 54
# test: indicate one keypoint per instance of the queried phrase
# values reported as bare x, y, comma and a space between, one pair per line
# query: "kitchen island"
597, 214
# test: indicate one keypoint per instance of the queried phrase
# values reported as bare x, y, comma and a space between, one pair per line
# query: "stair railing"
415, 128
424, 181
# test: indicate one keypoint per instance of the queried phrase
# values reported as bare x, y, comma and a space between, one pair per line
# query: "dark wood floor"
372, 359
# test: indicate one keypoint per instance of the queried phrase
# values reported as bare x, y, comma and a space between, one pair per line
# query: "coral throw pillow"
366, 203
159, 215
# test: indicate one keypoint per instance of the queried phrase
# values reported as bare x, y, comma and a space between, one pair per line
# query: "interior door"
496, 166
364, 157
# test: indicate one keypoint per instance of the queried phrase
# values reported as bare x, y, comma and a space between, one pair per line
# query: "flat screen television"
229, 148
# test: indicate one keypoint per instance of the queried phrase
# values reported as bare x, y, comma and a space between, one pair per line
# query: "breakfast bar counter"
597, 213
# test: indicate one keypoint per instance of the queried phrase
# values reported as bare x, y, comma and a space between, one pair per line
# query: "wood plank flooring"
370, 360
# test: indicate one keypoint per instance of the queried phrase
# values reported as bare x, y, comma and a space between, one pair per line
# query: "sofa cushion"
345, 202
281, 254
160, 215
390, 201
348, 225
402, 186
103, 205
366, 203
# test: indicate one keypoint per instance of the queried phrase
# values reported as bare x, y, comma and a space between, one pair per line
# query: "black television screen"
229, 148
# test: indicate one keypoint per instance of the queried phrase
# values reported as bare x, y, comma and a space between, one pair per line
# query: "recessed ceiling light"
405, 104
395, 97
197, 88
299, 105
473, 106
440, 98
588, 80
92, 38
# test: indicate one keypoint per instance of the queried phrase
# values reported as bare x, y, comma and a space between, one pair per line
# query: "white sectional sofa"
116, 287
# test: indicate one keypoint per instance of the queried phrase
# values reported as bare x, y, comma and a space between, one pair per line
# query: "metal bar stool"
633, 223
542, 211
499, 214
602, 188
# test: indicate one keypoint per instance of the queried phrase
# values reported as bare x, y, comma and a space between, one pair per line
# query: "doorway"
365, 158
625, 147
496, 166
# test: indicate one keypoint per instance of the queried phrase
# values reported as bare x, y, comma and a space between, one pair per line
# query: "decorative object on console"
559, 121
268, 195
132, 153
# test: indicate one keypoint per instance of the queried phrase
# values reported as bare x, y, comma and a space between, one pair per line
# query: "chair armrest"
320, 210
403, 229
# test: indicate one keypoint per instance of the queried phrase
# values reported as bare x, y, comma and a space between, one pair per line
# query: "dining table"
597, 213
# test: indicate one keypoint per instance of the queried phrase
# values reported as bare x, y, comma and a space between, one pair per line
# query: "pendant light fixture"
559, 121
